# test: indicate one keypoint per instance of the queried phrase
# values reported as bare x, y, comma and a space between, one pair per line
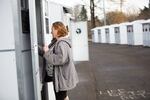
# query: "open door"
130, 37
45, 38
34, 49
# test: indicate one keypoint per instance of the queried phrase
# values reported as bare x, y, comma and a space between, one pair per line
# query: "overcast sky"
136, 3
128, 3
131, 6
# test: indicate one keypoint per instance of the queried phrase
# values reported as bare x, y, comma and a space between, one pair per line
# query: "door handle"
35, 48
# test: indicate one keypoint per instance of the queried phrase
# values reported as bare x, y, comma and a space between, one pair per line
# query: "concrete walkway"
114, 72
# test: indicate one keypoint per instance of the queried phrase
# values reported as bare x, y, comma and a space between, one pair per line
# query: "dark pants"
61, 95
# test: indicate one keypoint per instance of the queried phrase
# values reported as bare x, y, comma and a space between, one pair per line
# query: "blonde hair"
60, 27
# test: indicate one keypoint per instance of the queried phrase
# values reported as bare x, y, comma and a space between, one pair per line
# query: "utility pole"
104, 12
149, 4
121, 3
92, 5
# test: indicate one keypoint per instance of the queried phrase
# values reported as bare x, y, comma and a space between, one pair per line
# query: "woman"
65, 76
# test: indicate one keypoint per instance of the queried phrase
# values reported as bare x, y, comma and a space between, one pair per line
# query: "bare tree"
132, 14
115, 17
93, 5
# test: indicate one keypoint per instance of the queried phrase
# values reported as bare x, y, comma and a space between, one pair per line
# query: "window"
46, 8
130, 28
107, 30
149, 27
25, 17
99, 31
146, 30
47, 25
116, 29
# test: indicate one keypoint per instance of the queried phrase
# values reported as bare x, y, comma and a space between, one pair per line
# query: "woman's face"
54, 32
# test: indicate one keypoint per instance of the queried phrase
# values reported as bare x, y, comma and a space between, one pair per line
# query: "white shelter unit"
50, 16
63, 15
130, 37
107, 34
99, 35
103, 34
123, 32
146, 33
95, 35
117, 34
79, 41
113, 35
135, 33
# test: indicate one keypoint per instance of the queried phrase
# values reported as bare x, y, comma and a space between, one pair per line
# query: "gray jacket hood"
65, 39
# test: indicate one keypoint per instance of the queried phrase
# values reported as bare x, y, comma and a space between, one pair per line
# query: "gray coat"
64, 72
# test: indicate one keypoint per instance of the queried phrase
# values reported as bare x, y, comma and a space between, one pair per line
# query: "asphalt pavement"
114, 72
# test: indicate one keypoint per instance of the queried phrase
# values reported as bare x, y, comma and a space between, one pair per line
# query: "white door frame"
34, 49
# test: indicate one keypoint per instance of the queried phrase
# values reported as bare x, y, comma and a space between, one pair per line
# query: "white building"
95, 35
79, 39
135, 33
107, 34
114, 38
103, 34
117, 34
123, 32
146, 33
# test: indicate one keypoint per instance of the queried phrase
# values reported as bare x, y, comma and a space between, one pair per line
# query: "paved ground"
114, 72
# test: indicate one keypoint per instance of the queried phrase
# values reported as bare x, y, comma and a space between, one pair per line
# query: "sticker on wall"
78, 31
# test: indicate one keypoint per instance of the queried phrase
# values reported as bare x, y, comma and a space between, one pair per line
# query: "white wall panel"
8, 76
6, 23
79, 41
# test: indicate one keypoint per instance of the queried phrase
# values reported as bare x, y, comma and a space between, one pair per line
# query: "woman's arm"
60, 57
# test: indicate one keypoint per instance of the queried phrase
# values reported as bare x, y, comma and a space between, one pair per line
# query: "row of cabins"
25, 24
129, 33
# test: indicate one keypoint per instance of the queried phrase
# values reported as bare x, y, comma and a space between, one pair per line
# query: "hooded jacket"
65, 75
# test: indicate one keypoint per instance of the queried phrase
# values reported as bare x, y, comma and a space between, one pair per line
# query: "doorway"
32, 36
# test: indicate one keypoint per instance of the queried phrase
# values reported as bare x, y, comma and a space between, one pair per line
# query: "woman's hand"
45, 48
